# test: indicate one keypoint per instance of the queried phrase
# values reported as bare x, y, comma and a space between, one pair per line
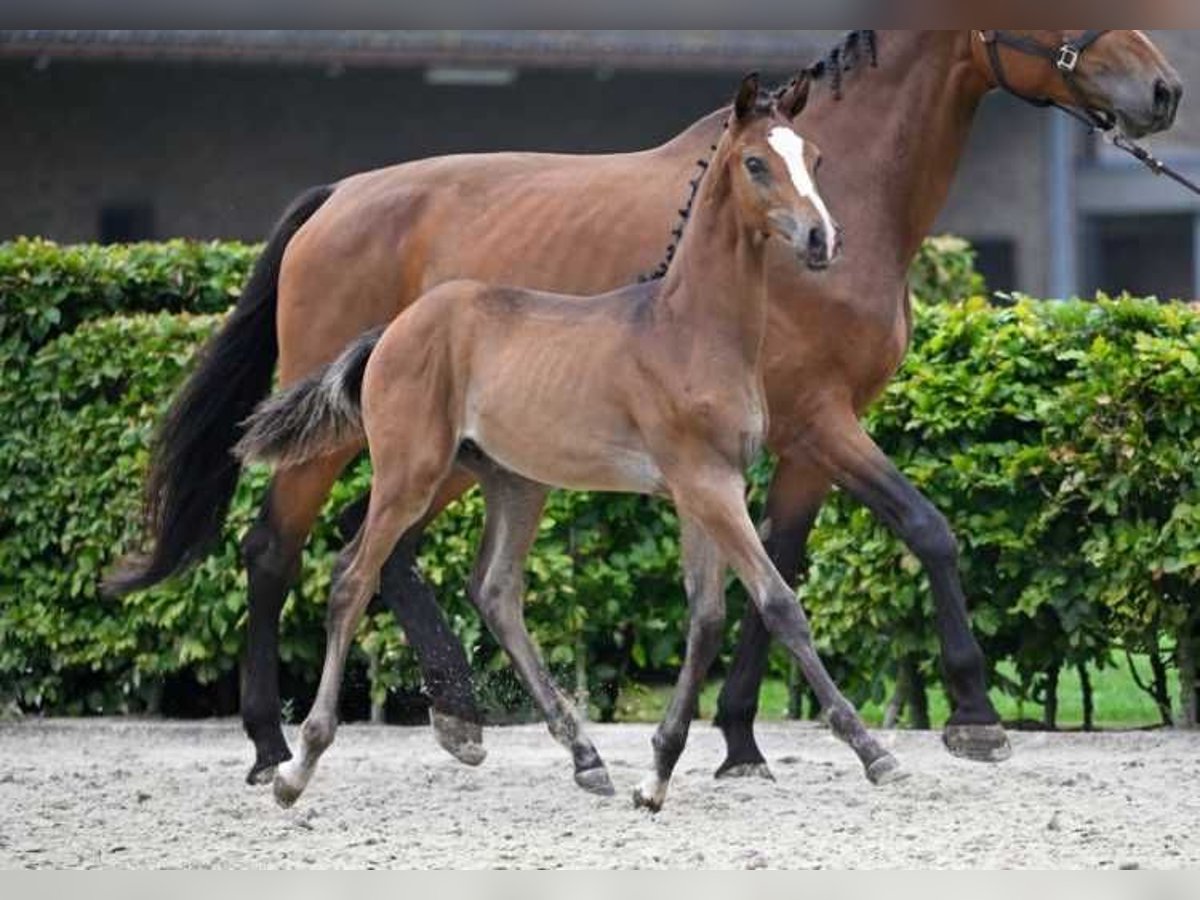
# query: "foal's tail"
313, 417
192, 473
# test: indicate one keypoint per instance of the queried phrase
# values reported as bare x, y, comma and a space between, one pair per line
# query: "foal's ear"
795, 98
747, 97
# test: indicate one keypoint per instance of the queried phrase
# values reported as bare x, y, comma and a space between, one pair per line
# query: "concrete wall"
1001, 190
218, 151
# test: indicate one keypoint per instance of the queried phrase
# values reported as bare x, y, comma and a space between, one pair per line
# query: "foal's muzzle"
814, 247
819, 253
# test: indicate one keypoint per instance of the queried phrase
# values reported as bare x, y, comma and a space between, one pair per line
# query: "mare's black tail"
193, 473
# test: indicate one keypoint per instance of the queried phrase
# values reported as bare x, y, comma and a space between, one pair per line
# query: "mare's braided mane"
843, 58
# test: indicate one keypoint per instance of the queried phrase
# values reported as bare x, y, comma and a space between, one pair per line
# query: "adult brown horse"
892, 110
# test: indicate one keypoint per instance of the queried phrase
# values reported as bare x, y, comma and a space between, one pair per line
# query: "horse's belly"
565, 451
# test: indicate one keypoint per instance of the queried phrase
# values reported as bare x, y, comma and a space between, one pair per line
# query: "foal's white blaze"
790, 146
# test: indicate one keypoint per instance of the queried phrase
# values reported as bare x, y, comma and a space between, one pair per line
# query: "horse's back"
577, 224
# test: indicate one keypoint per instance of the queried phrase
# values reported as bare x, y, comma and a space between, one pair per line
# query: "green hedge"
1060, 440
47, 290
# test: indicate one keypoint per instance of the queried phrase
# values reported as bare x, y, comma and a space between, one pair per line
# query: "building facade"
119, 135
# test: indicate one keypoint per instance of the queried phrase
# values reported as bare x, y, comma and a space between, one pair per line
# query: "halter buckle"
1068, 58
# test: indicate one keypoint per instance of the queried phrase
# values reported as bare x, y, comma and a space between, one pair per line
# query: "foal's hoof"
646, 799
978, 743
264, 768
461, 739
745, 770
885, 770
286, 791
596, 781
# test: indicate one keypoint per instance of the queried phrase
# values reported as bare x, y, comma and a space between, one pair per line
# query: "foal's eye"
756, 166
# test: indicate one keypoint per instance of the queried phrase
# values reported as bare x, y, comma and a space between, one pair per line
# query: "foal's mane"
845, 56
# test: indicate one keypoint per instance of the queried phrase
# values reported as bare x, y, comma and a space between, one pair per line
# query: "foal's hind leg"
405, 481
453, 712
271, 552
717, 500
514, 509
704, 576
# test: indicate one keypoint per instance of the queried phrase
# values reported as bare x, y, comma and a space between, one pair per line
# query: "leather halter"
1065, 58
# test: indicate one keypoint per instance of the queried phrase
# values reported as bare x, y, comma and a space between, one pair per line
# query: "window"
996, 260
125, 224
1144, 255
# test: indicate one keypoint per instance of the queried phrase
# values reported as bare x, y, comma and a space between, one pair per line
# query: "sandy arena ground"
135, 794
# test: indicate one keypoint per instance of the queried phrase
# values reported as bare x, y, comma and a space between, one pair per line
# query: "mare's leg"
715, 498
861, 468
797, 492
271, 553
704, 577
514, 509
454, 714
407, 475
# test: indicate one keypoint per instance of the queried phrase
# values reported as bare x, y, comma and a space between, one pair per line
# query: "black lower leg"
737, 706
443, 661
272, 565
925, 531
444, 667
862, 469
964, 667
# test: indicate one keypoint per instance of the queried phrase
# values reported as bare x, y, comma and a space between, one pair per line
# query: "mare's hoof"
745, 770
885, 770
978, 743
643, 799
596, 781
461, 739
264, 768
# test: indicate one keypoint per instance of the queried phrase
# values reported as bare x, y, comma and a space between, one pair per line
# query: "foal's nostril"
817, 246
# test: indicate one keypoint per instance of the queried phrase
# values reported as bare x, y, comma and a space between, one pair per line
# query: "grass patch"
1120, 703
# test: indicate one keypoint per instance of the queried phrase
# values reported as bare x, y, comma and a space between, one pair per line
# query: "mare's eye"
756, 166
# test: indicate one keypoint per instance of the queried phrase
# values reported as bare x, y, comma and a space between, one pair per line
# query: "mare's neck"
895, 138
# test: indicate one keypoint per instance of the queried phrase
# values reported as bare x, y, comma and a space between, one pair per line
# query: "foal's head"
772, 173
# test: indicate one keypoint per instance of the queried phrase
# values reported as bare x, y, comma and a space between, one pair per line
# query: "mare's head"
772, 171
1120, 77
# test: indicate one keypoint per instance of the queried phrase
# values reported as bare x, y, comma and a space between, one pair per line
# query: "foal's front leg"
704, 577
514, 510
797, 491
717, 500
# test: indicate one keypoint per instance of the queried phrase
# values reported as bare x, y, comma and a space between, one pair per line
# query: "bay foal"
655, 389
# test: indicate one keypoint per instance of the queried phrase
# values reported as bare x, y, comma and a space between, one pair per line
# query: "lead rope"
1149, 160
